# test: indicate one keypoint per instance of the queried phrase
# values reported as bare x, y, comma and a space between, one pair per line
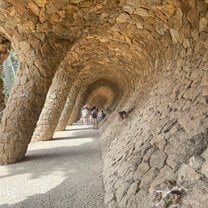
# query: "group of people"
91, 116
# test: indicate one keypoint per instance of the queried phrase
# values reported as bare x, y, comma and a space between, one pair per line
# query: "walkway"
62, 173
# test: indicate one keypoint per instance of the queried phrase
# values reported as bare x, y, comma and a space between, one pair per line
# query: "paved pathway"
64, 173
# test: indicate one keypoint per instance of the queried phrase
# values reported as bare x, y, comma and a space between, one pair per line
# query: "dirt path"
62, 173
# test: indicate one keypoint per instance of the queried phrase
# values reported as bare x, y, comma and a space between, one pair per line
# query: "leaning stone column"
76, 110
55, 101
68, 108
27, 97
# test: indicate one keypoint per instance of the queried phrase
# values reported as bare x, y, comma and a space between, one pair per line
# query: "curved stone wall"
159, 156
42, 33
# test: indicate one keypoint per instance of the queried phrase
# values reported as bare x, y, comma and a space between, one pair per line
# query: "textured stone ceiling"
101, 97
104, 30
102, 93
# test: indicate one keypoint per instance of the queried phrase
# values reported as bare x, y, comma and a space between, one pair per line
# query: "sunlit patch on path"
63, 172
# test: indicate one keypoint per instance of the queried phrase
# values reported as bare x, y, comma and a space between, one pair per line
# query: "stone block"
148, 178
158, 159
196, 195
159, 141
205, 154
204, 81
133, 189
109, 196
34, 8
140, 200
187, 174
148, 154
196, 162
166, 173
176, 36
142, 12
186, 43
40, 3
128, 9
204, 169
141, 170
122, 190
203, 24
122, 18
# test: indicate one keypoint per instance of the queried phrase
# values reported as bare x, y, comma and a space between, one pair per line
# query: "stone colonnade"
154, 52
41, 45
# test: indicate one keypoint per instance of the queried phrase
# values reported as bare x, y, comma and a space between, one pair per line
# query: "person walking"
85, 115
101, 115
94, 117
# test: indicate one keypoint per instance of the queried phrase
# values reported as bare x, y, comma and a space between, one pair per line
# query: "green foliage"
12, 66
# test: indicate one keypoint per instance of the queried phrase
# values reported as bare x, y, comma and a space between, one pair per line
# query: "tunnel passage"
42, 33
89, 75
87, 64
111, 93
157, 52
49, 119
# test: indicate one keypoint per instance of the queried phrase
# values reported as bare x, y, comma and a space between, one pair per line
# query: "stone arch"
79, 56
102, 97
42, 38
85, 78
85, 94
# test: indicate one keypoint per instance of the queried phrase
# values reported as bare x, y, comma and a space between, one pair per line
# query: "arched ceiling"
101, 97
99, 100
119, 40
103, 90
119, 32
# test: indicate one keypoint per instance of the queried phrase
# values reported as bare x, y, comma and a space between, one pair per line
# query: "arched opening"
5, 46
112, 88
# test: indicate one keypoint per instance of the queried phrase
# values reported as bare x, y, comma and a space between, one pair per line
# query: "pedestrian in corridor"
94, 114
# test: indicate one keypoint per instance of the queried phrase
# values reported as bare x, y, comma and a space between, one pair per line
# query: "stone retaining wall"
158, 157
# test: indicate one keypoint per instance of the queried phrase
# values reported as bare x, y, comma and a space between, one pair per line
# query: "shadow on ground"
64, 172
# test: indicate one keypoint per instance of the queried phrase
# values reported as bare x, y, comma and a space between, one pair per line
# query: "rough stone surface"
165, 137
43, 35
196, 162
153, 58
204, 169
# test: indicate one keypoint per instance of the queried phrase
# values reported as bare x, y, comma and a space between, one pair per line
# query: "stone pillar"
56, 98
76, 110
27, 97
68, 108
